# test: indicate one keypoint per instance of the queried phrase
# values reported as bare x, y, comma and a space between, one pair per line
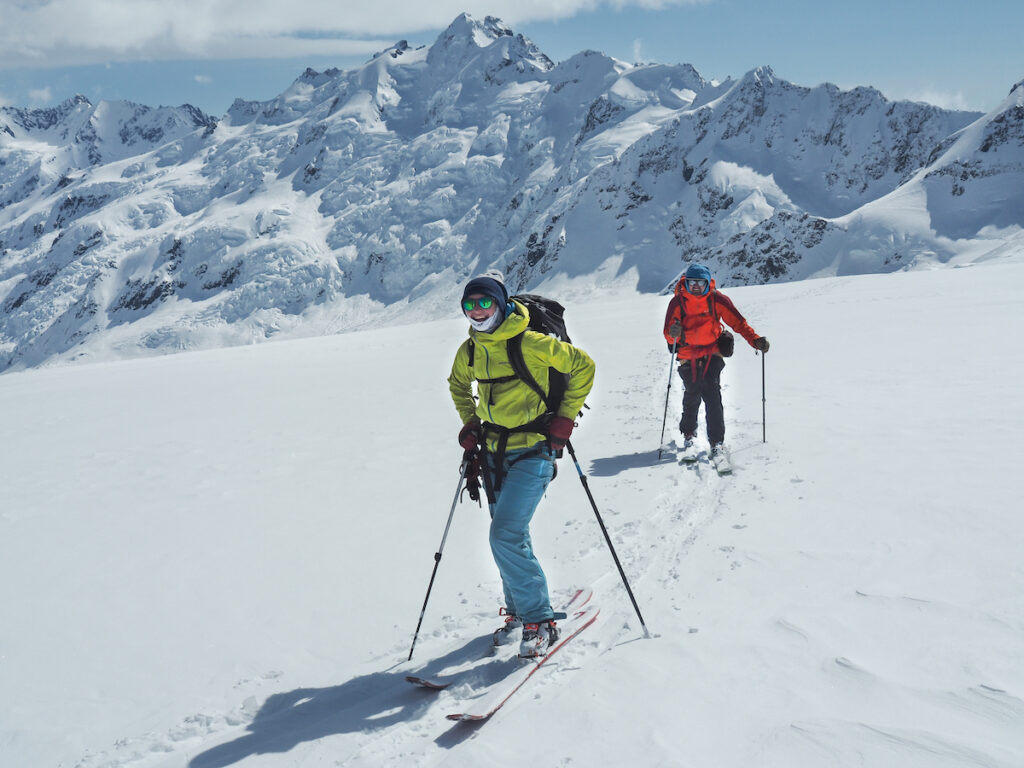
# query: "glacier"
365, 197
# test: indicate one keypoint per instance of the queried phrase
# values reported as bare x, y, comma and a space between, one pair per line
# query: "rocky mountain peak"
466, 38
355, 196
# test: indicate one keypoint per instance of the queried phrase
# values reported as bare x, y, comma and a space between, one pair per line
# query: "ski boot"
720, 458
687, 448
503, 635
537, 638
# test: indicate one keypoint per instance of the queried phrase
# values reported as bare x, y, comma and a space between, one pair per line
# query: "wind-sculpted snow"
266, 521
357, 195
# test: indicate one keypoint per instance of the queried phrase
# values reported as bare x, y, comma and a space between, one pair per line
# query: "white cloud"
69, 32
40, 95
941, 98
203, 79
638, 51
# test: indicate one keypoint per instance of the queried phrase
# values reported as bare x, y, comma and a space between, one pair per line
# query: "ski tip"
424, 683
579, 599
460, 717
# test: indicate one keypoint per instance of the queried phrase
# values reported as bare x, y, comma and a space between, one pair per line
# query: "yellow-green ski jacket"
514, 403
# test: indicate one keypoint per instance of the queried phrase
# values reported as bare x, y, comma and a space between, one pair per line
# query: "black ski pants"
701, 381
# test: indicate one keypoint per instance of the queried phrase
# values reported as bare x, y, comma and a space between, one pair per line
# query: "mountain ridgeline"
355, 196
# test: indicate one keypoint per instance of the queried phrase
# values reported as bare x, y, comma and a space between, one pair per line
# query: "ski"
487, 672
693, 458
580, 619
423, 682
486, 669
721, 461
579, 599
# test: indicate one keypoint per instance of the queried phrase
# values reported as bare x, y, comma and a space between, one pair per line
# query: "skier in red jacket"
693, 327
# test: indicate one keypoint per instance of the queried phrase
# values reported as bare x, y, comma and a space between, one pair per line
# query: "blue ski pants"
527, 474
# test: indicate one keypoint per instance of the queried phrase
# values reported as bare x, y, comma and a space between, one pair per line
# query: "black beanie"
491, 283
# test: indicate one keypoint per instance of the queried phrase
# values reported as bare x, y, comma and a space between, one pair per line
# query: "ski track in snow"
151, 748
389, 721
758, 588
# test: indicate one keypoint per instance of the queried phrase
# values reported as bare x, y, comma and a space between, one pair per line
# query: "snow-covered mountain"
366, 196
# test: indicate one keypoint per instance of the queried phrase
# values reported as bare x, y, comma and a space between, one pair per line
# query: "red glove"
558, 432
469, 435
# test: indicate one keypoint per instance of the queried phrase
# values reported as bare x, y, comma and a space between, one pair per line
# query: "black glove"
761, 343
726, 344
472, 459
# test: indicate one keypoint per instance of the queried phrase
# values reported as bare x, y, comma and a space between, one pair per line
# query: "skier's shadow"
367, 703
613, 465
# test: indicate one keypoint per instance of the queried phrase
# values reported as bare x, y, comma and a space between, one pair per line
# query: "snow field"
218, 558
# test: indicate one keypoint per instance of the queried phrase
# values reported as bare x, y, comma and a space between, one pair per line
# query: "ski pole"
764, 427
607, 538
437, 555
668, 389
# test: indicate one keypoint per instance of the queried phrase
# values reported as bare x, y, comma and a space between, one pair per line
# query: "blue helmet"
698, 272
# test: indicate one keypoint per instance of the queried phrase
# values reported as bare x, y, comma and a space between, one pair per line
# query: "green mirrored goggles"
485, 302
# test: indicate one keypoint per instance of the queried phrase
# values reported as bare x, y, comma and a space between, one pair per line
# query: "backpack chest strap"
499, 380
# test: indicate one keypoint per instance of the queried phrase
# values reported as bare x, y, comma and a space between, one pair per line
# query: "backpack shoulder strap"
471, 348
679, 303
514, 347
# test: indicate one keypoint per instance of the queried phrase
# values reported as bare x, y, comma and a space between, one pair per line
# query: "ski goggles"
696, 285
484, 302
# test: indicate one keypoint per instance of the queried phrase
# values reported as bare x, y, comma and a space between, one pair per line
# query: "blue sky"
208, 52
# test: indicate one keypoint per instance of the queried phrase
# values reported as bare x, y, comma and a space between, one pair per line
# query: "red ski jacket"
701, 317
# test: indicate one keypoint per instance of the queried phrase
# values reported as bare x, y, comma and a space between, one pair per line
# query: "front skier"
518, 438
